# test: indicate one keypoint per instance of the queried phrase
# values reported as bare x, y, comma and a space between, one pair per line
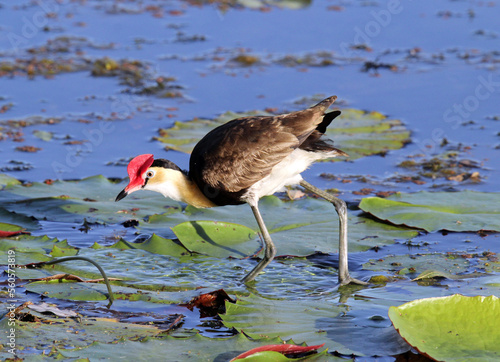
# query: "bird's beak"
121, 195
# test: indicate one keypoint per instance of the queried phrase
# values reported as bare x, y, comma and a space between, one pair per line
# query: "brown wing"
234, 156
244, 151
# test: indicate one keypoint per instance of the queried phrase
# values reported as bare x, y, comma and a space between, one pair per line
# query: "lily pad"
316, 322
433, 211
214, 238
454, 328
10, 227
23, 258
66, 290
6, 180
361, 133
43, 135
156, 245
418, 263
35, 244
18, 221
356, 132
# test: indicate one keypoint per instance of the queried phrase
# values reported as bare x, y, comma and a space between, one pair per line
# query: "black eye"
150, 174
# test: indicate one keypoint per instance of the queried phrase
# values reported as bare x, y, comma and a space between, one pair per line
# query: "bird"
245, 159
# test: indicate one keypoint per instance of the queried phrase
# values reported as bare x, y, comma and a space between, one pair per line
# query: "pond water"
86, 85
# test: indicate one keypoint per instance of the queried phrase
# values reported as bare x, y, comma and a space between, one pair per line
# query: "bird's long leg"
341, 208
270, 249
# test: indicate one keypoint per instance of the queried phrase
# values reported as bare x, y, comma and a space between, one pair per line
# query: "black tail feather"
327, 119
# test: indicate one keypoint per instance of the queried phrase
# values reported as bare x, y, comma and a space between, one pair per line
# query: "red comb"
137, 167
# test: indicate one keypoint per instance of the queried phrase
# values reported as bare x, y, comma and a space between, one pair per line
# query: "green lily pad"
23, 258
66, 290
361, 133
317, 321
10, 227
156, 245
454, 328
431, 274
6, 180
17, 220
36, 244
433, 211
214, 238
356, 132
92, 198
43, 135
419, 263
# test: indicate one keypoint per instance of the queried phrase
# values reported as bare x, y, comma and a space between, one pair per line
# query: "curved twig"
56, 261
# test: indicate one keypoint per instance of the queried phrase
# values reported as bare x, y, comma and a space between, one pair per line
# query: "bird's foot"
350, 280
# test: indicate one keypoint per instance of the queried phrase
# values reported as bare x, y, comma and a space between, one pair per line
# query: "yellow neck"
192, 195
176, 185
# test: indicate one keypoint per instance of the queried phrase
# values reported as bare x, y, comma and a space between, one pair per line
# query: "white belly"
285, 173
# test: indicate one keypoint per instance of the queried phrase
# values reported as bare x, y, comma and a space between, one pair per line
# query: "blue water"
419, 93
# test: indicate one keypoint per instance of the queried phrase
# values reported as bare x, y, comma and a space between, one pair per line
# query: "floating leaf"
156, 245
13, 222
317, 321
35, 244
5, 234
418, 263
62, 289
430, 274
433, 211
356, 132
454, 328
6, 180
285, 349
23, 258
361, 133
215, 238
43, 135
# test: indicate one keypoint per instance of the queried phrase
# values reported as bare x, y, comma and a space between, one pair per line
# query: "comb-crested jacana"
244, 160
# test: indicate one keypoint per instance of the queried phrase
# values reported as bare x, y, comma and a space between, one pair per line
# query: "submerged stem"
101, 270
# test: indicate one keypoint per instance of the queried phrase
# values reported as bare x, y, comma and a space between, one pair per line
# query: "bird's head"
146, 173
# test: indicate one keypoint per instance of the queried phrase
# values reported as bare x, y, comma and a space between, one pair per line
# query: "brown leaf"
28, 149
385, 193
60, 277
209, 304
363, 191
